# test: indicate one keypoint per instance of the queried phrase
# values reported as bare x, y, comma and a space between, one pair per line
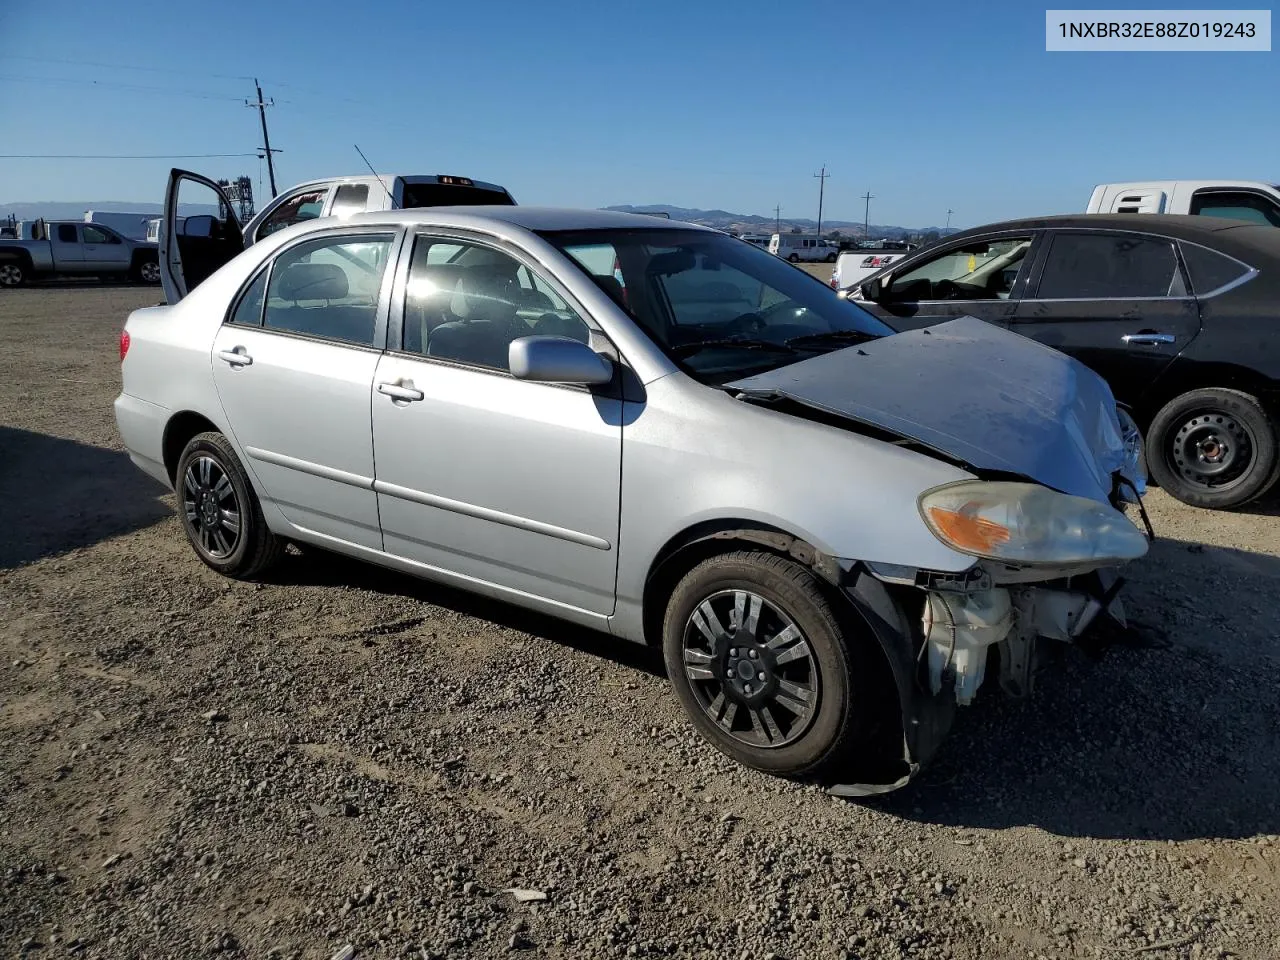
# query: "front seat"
486, 322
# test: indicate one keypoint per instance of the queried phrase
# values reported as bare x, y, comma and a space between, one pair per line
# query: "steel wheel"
10, 275
150, 272
1212, 451
751, 668
211, 507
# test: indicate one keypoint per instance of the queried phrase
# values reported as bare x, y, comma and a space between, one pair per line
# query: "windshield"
717, 306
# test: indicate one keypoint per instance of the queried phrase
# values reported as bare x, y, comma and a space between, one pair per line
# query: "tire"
819, 662
243, 552
148, 272
831, 258
12, 273
794, 257
1213, 448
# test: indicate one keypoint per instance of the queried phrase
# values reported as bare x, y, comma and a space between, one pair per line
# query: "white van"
802, 246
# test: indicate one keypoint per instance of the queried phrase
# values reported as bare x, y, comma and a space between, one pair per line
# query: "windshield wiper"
746, 343
831, 336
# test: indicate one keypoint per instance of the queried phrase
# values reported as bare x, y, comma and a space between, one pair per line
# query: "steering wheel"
947, 290
750, 323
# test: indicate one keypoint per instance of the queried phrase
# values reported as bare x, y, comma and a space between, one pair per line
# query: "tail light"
124, 344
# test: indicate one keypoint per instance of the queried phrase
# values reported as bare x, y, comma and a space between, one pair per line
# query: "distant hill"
62, 210
747, 223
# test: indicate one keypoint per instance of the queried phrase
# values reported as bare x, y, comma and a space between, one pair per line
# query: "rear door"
979, 277
1118, 302
209, 238
68, 254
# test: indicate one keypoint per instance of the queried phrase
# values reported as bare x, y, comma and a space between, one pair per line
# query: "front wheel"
220, 512
831, 258
1213, 448
12, 274
758, 659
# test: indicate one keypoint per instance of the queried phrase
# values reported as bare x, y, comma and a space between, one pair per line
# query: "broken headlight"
1026, 523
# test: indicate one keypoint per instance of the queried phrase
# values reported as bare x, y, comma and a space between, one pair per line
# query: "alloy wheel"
10, 275
1212, 451
150, 272
211, 507
751, 668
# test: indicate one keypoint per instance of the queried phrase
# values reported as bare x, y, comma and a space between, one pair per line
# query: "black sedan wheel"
1213, 448
220, 513
759, 661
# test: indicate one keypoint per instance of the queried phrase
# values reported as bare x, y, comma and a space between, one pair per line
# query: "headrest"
484, 295
313, 281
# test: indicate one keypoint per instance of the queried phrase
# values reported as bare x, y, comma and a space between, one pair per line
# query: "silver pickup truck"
52, 248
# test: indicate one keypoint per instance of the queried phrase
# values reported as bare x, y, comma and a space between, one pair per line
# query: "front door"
978, 278
191, 250
294, 371
1118, 302
499, 481
104, 250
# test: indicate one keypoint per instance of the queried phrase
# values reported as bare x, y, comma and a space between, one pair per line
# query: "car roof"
528, 218
1210, 231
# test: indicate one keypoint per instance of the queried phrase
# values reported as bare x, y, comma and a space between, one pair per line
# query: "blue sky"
735, 105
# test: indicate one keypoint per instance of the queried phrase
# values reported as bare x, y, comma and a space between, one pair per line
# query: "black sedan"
1180, 314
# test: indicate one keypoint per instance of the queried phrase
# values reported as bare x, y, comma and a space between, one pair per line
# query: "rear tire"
12, 274
1213, 448
794, 258
831, 258
776, 691
220, 512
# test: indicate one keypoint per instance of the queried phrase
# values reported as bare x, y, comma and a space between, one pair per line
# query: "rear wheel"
794, 258
12, 274
758, 659
149, 272
220, 512
1213, 448
831, 258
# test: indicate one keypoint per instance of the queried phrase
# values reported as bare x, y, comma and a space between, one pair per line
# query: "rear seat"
316, 285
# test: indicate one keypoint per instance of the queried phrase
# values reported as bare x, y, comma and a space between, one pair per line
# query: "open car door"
192, 248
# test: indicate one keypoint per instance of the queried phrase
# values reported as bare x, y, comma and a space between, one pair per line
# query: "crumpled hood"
992, 399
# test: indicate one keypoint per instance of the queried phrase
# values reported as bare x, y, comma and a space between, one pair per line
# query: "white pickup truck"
1230, 199
208, 242
854, 266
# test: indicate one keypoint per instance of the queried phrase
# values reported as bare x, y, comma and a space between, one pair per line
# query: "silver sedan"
655, 430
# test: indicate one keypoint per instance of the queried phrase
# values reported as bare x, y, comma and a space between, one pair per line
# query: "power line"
114, 85
119, 156
125, 66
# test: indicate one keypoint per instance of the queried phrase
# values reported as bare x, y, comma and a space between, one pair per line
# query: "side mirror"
557, 360
874, 288
201, 226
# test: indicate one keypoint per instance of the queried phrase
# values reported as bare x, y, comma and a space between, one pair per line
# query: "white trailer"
131, 225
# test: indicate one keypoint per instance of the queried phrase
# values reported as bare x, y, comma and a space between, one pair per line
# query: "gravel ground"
345, 756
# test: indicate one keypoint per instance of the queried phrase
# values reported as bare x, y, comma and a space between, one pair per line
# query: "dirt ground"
345, 756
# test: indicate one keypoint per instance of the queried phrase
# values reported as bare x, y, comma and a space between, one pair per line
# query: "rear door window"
1209, 269
1098, 266
67, 233
327, 288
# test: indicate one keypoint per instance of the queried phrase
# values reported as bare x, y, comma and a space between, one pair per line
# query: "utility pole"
266, 141
949, 212
822, 183
777, 218
866, 215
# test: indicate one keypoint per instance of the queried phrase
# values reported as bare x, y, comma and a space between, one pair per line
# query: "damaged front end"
1045, 572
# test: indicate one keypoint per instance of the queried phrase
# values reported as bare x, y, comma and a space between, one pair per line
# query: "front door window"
981, 270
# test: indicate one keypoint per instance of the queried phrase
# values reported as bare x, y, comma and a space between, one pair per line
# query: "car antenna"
375, 173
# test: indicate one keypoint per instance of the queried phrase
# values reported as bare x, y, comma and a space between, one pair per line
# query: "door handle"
236, 357
403, 390
1147, 339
